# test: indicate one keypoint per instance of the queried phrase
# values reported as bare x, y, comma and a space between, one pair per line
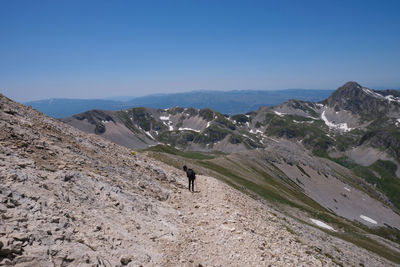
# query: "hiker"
191, 175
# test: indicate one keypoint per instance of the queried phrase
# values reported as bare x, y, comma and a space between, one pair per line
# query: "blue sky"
95, 49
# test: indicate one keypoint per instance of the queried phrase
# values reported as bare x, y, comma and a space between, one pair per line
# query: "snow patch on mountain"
372, 93
256, 131
391, 98
331, 125
248, 137
188, 129
164, 118
323, 225
279, 113
368, 219
149, 134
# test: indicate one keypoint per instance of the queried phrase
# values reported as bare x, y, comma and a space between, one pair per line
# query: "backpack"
191, 174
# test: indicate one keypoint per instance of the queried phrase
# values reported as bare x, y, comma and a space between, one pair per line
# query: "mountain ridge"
348, 108
57, 179
238, 101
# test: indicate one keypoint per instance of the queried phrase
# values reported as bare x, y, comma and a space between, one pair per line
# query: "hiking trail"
224, 227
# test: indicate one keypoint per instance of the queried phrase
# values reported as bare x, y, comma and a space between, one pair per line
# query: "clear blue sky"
94, 49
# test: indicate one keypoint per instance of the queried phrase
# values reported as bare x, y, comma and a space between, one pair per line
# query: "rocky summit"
69, 198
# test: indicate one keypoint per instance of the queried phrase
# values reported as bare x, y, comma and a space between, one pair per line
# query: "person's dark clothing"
191, 176
191, 182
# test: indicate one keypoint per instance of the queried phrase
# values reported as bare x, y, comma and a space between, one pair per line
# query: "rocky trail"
223, 227
220, 226
68, 198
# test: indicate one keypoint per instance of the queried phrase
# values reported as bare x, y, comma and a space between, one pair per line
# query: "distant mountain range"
355, 126
228, 102
358, 113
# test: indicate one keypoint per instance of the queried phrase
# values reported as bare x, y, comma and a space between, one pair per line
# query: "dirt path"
222, 227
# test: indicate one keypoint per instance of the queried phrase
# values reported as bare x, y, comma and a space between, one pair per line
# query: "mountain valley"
298, 184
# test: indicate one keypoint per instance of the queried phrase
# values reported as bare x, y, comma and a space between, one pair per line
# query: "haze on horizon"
97, 49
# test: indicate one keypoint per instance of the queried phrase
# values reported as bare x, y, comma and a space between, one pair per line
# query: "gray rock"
24, 259
55, 220
68, 176
6, 262
125, 259
20, 236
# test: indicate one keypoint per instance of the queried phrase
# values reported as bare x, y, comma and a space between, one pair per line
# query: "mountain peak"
349, 89
358, 99
351, 85
345, 94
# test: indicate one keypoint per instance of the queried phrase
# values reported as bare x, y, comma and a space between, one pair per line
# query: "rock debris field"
73, 199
